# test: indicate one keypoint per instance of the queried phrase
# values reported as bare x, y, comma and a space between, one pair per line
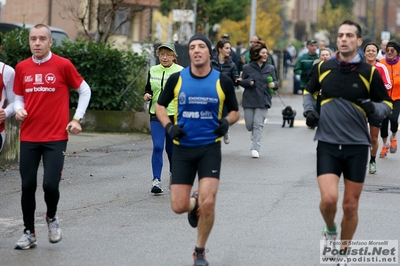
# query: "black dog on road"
288, 116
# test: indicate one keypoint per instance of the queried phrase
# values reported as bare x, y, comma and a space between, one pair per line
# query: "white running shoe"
26, 241
255, 154
55, 233
329, 239
156, 187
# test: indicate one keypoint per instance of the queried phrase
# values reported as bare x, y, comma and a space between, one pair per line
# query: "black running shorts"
375, 122
203, 160
351, 160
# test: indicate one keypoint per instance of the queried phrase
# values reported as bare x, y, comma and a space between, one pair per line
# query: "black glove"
312, 118
367, 105
175, 131
222, 128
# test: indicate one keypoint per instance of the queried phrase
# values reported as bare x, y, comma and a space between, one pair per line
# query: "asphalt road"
267, 208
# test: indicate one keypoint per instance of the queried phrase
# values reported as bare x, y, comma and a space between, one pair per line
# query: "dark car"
57, 34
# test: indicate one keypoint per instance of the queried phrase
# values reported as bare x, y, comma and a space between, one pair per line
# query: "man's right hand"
312, 118
175, 131
21, 114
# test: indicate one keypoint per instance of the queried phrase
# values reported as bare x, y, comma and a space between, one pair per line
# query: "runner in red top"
42, 85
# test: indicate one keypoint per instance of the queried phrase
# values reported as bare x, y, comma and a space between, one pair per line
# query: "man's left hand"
222, 128
367, 105
2, 114
74, 127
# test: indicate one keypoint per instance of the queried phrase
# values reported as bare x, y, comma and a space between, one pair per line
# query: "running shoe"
199, 258
55, 233
26, 241
227, 138
329, 238
193, 215
255, 154
156, 187
372, 168
393, 145
384, 151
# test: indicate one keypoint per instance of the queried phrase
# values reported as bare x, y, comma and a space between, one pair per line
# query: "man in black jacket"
349, 93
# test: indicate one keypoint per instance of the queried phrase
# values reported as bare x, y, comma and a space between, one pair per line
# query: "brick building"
56, 13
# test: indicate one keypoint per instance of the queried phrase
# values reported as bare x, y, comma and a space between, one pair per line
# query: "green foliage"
346, 4
330, 18
267, 17
109, 73
15, 47
218, 10
117, 78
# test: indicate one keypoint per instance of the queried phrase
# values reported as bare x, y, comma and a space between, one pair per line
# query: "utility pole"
194, 3
373, 20
2, 4
253, 18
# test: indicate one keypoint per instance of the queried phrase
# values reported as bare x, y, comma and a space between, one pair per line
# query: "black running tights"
393, 119
31, 153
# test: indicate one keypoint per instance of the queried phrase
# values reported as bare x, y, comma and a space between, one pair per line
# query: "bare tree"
101, 19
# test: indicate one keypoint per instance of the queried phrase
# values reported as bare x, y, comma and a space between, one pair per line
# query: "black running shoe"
193, 216
199, 258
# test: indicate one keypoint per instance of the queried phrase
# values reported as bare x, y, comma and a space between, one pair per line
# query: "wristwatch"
78, 119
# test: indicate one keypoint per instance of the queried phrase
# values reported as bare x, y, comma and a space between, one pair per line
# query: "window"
398, 17
120, 16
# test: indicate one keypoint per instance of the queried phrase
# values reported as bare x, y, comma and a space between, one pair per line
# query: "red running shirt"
45, 88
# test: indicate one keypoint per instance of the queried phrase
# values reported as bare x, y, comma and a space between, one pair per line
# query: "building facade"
63, 14
379, 15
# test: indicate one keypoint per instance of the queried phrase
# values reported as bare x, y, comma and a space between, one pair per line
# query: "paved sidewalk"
92, 140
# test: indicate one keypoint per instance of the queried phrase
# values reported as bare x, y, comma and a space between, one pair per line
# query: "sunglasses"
390, 50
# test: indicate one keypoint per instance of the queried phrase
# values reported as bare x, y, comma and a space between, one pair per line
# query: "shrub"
109, 72
15, 47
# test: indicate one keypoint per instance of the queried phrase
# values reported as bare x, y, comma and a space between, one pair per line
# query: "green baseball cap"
169, 46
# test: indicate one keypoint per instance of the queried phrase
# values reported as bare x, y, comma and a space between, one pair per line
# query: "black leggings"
53, 162
393, 118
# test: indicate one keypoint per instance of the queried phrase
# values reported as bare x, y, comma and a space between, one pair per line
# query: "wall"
115, 121
38, 11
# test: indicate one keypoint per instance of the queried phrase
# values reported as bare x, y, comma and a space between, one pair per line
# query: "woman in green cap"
157, 78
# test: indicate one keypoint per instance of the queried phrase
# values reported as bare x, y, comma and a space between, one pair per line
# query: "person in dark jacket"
304, 64
234, 56
224, 64
257, 78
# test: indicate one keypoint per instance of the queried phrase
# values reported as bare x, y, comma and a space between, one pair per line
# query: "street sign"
182, 15
385, 35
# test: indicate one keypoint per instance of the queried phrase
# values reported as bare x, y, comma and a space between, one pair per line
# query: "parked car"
57, 33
